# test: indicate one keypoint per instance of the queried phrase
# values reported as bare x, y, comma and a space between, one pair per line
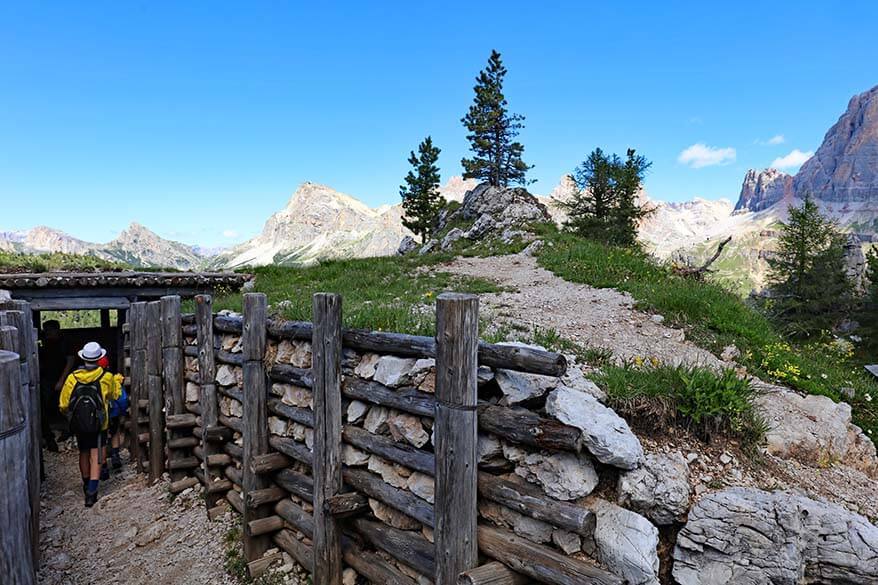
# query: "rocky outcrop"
749, 536
658, 489
762, 189
507, 206
814, 430
406, 246
625, 542
845, 167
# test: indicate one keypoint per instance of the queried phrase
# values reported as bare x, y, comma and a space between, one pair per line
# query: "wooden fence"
19, 445
356, 449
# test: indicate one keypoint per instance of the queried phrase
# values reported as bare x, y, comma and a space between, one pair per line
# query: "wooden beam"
326, 369
172, 374
455, 429
81, 303
154, 388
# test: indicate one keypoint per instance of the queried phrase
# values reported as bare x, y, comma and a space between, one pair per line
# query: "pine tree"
421, 199
604, 205
492, 131
868, 313
810, 289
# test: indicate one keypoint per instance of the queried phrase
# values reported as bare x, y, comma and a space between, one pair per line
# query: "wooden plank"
405, 546
326, 369
266, 525
455, 429
492, 573
402, 500
138, 388
297, 549
212, 435
346, 505
540, 562
154, 390
255, 417
172, 374
264, 496
178, 486
269, 462
80, 303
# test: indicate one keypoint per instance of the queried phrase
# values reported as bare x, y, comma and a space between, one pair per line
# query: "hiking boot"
105, 473
117, 462
51, 445
91, 499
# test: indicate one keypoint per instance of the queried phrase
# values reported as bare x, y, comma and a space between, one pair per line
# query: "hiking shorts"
113, 426
88, 441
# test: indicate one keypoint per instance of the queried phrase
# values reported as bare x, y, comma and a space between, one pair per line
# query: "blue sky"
201, 118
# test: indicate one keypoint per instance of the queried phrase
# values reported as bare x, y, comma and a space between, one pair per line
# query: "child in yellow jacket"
90, 443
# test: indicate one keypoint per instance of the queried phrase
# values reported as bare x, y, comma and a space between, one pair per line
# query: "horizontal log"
407, 547
231, 392
183, 463
235, 501
234, 475
218, 486
183, 442
509, 357
218, 460
180, 421
260, 566
387, 448
259, 497
296, 516
216, 512
405, 399
234, 451
526, 499
198, 431
540, 562
346, 505
301, 552
287, 374
80, 303
303, 416
292, 449
523, 426
217, 434
492, 573
180, 485
233, 422
402, 500
296, 483
266, 525
269, 462
193, 407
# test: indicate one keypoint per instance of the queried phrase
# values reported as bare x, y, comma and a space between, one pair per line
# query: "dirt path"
135, 533
589, 316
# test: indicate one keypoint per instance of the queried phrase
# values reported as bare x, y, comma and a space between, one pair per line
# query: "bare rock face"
511, 206
746, 535
626, 542
762, 189
604, 433
814, 430
845, 167
658, 489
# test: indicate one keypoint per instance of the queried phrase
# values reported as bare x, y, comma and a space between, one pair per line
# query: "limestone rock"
395, 475
563, 476
394, 371
524, 526
488, 448
746, 535
514, 205
452, 236
356, 411
604, 433
193, 391
353, 456
392, 517
231, 342
422, 485
534, 248
407, 246
569, 542
575, 378
408, 427
366, 367
376, 420
428, 247
293, 395
658, 489
762, 189
225, 376
277, 426
627, 543
520, 386
294, 353
484, 224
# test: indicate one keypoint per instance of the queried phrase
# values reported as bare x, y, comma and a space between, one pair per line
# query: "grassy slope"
16, 262
714, 317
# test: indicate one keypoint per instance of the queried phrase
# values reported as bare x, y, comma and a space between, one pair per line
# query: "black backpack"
87, 414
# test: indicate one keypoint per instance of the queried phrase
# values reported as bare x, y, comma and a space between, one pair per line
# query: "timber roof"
109, 280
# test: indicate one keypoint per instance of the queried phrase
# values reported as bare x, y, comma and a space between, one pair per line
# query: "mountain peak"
762, 189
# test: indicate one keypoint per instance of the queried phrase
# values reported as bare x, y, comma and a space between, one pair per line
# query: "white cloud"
700, 155
230, 234
776, 139
793, 159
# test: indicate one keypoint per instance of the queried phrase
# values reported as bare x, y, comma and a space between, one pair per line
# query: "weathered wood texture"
455, 429
172, 377
154, 390
16, 555
211, 443
493, 573
255, 418
326, 369
139, 384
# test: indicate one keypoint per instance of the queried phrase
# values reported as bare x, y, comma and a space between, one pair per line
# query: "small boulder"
520, 386
430, 246
366, 367
484, 224
394, 371
356, 411
452, 236
533, 248
563, 476
627, 543
225, 376
376, 420
658, 489
407, 246
422, 485
193, 391
604, 433
409, 428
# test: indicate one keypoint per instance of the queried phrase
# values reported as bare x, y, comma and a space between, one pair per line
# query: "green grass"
383, 294
56, 261
707, 403
715, 317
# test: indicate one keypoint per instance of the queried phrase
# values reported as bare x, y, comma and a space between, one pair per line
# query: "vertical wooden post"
207, 379
16, 560
120, 340
139, 382
19, 316
457, 343
255, 417
172, 369
154, 389
105, 318
326, 370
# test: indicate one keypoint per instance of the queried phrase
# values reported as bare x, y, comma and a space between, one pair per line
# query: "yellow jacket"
110, 388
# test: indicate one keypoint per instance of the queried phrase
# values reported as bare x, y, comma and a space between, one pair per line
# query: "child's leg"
84, 464
94, 464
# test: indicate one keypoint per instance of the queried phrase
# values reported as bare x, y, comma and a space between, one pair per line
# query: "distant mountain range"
319, 223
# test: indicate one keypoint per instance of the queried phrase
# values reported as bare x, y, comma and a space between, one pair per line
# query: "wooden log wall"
138, 390
385, 454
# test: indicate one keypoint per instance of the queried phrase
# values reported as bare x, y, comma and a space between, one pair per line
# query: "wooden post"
120, 340
209, 402
255, 419
326, 370
139, 382
154, 389
16, 558
105, 318
172, 373
20, 317
457, 343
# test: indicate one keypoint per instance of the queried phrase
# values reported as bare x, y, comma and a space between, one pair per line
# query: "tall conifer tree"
492, 131
421, 199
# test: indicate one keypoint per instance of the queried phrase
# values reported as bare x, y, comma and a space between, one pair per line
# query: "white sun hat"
92, 352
